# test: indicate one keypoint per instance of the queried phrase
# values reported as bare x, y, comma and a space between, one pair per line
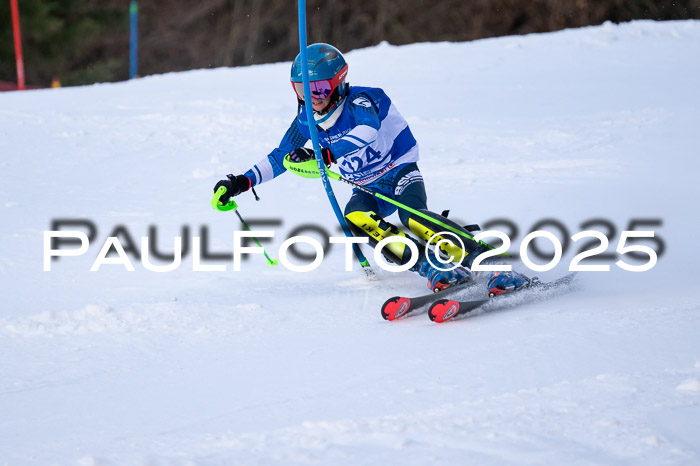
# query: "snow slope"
267, 366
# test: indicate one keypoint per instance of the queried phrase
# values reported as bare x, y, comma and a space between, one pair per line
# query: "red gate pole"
18, 45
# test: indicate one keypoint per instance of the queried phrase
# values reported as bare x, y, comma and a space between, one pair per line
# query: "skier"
360, 129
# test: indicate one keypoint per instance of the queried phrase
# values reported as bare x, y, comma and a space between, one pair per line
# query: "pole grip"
220, 206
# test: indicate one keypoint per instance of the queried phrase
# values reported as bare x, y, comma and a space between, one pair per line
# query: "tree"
87, 41
80, 42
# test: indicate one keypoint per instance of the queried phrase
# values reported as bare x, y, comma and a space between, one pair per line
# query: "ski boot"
376, 228
502, 282
439, 280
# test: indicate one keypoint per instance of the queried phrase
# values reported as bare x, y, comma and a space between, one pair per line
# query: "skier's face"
321, 92
320, 104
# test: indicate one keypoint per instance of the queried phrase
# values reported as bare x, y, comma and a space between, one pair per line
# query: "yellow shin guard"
370, 224
428, 231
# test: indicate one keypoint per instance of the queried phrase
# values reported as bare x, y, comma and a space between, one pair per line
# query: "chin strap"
329, 120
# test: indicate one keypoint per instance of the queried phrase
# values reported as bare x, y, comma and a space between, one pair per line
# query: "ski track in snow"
270, 367
534, 419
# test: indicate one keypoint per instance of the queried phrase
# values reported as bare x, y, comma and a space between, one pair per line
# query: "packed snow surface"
590, 128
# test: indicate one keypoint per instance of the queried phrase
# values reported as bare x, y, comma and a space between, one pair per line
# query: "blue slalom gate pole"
314, 139
133, 39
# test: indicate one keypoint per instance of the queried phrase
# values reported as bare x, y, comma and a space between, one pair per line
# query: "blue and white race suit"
368, 139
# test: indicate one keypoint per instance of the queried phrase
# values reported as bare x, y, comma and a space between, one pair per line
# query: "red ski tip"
443, 310
395, 308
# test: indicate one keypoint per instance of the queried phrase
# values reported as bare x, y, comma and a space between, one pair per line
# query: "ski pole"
231, 205
337, 177
308, 169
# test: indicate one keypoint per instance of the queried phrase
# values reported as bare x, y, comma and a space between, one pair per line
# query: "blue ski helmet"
327, 72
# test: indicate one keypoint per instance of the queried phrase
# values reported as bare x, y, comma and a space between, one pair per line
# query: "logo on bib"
362, 102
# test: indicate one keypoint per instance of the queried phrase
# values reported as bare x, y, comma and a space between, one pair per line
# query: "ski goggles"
321, 89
